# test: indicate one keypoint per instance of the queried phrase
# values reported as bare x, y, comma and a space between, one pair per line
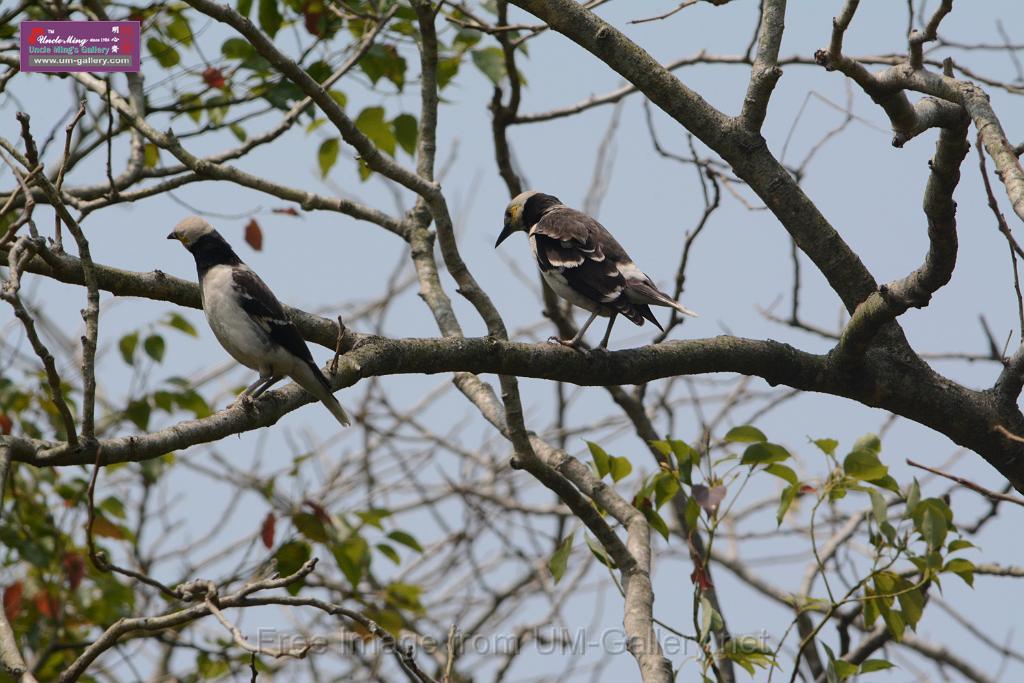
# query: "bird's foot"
244, 401
568, 343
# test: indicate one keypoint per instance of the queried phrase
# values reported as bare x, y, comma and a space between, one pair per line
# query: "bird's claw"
568, 343
244, 400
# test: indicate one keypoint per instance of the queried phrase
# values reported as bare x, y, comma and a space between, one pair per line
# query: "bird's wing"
586, 255
266, 311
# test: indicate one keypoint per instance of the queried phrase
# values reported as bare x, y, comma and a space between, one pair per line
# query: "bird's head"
190, 230
523, 211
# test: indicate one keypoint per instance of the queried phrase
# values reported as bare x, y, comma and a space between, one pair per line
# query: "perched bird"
583, 264
248, 320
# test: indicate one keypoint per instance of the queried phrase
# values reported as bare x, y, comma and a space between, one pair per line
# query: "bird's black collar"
212, 250
536, 206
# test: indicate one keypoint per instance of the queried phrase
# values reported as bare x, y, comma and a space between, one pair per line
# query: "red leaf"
267, 530
5, 424
807, 488
12, 600
213, 77
318, 510
314, 23
701, 578
254, 235
74, 569
46, 604
287, 210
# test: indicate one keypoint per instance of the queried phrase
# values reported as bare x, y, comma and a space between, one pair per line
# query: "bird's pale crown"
514, 211
190, 229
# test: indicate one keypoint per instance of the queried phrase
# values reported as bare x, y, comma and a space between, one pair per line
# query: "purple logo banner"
64, 46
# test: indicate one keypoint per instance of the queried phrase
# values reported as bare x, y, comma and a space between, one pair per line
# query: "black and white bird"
248, 320
583, 264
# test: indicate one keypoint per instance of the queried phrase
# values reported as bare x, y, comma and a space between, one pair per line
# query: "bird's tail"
644, 292
309, 377
679, 307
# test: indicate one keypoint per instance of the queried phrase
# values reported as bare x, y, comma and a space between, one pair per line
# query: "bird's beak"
505, 232
172, 236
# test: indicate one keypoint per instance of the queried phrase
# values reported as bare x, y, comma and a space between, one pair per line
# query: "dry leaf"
213, 77
254, 235
267, 530
12, 600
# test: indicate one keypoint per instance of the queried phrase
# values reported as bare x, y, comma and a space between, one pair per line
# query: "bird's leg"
248, 391
270, 381
608, 332
575, 341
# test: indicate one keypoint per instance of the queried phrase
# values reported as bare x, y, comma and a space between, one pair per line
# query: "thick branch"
916, 289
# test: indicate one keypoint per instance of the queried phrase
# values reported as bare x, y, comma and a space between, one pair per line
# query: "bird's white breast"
236, 331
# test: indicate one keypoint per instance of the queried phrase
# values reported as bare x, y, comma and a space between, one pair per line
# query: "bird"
582, 263
248, 320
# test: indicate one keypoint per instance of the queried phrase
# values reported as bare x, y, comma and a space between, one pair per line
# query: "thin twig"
994, 495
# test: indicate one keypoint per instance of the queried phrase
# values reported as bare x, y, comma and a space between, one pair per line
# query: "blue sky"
330, 263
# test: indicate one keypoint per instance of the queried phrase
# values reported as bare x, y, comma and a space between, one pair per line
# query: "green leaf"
150, 155
179, 29
619, 468
872, 665
389, 553
933, 528
963, 568
864, 465
491, 61
446, 70
138, 412
290, 557
827, 446
843, 668
166, 55
959, 544
239, 132
656, 521
913, 497
764, 453
269, 17
319, 71
178, 322
244, 7
868, 442
372, 124
560, 558
710, 619
911, 602
878, 507
782, 472
339, 97
691, 513
384, 61
785, 501
406, 132
327, 155
665, 488
602, 461
598, 550
127, 346
887, 483
353, 557
406, 539
745, 434
894, 621
236, 48
373, 516
310, 526
155, 347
